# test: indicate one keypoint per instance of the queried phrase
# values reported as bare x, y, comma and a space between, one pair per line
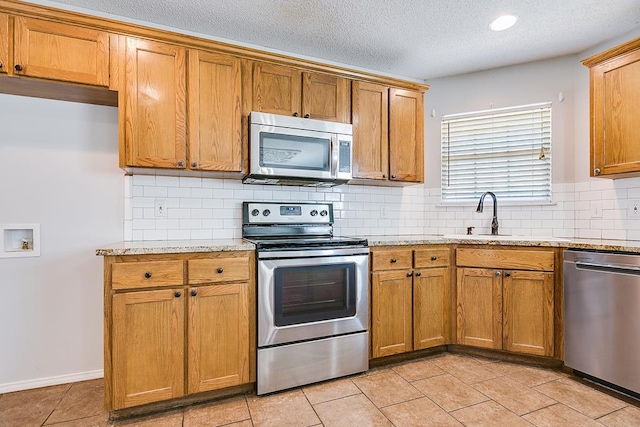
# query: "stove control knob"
323, 212
266, 212
314, 212
255, 212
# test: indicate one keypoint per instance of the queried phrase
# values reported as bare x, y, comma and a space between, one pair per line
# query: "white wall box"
20, 240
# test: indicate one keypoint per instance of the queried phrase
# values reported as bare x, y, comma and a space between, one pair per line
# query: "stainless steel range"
313, 295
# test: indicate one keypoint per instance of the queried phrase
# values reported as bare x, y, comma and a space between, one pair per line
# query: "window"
506, 151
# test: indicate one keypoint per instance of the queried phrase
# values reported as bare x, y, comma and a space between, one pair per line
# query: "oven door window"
294, 152
314, 293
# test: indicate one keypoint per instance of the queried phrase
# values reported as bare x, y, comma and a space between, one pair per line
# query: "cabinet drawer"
507, 259
391, 260
218, 270
132, 275
425, 258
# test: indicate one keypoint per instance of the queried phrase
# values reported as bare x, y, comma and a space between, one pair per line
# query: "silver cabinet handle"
498, 273
596, 171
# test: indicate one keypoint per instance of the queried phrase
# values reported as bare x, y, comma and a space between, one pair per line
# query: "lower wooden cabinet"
410, 300
431, 307
218, 336
391, 312
503, 308
528, 300
181, 335
148, 346
479, 307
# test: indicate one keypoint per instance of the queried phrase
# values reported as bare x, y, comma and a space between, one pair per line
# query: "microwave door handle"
334, 155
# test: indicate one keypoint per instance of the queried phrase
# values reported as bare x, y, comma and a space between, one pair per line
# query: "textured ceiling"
419, 39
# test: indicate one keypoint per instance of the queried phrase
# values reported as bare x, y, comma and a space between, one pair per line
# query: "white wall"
58, 168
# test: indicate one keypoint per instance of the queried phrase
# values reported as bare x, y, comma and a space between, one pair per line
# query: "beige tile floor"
443, 390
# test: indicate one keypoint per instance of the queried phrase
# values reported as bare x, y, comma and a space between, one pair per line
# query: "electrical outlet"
596, 209
383, 211
634, 209
160, 208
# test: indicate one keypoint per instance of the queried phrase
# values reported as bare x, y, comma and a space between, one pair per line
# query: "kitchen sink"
504, 237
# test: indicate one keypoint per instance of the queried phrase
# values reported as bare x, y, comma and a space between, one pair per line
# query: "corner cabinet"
410, 299
615, 112
176, 325
292, 92
505, 299
388, 133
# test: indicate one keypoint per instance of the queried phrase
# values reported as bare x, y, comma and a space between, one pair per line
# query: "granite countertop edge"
568, 243
154, 247
203, 246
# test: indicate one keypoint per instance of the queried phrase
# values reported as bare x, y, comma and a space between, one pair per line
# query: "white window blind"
506, 151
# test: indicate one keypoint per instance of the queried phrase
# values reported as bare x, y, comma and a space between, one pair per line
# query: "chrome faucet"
494, 221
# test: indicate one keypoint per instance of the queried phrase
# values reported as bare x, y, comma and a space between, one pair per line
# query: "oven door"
315, 294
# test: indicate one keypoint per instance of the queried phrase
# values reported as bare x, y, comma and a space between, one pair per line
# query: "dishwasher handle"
608, 268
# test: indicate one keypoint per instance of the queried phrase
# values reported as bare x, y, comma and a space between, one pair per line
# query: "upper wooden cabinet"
370, 131
615, 111
388, 133
326, 97
406, 135
276, 89
291, 92
51, 50
214, 113
155, 104
4, 42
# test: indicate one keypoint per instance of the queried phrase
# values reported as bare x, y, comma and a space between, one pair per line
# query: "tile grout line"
56, 405
312, 407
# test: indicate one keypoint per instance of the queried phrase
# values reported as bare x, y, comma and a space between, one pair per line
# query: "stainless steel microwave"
298, 151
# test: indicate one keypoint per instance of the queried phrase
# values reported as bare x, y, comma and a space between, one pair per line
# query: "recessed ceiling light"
503, 22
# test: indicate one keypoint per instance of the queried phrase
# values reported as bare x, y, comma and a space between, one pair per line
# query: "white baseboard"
45, 382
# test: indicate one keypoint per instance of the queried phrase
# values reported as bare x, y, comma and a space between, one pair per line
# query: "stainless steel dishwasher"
602, 317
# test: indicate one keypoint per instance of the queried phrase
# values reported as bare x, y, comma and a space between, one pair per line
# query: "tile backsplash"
211, 208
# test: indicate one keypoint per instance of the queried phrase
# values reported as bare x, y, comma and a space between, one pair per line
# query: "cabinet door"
155, 105
215, 133
391, 313
276, 89
479, 307
370, 131
218, 336
406, 135
431, 308
528, 312
615, 115
61, 52
326, 97
148, 347
4, 42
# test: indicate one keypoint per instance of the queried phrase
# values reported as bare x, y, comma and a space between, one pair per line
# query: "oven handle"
310, 253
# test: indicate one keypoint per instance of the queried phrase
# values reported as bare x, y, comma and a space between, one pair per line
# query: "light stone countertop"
193, 246
574, 243
153, 247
